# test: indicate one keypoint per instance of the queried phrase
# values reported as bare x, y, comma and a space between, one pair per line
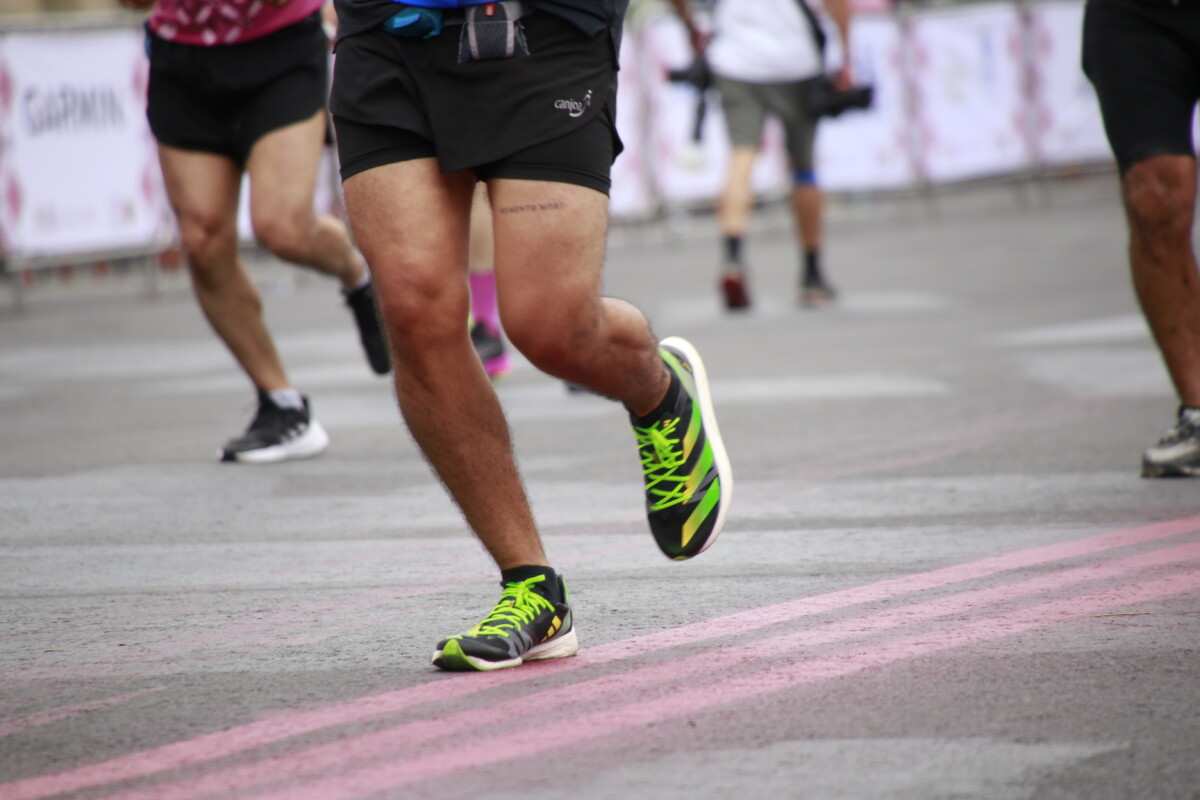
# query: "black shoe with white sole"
277, 434
361, 302
1177, 453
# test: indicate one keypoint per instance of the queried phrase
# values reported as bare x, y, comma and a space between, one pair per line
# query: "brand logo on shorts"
575, 108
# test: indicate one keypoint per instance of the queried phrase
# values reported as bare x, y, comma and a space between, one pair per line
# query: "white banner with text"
960, 93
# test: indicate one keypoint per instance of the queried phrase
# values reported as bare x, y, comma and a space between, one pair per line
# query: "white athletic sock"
363, 280
287, 398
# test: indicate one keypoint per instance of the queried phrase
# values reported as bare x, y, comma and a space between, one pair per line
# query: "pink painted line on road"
246, 737
402, 740
14, 725
733, 689
894, 587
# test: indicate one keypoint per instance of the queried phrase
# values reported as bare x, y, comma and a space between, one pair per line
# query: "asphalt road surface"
942, 575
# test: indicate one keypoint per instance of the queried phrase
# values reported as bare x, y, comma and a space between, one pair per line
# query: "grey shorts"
746, 106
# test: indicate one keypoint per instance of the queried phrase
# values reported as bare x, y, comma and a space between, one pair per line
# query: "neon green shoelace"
518, 605
661, 457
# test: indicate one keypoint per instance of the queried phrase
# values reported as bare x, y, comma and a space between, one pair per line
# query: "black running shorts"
223, 99
548, 116
1143, 57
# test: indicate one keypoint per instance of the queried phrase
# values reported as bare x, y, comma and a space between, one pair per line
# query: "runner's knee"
286, 234
1159, 194
551, 339
208, 241
420, 306
549, 352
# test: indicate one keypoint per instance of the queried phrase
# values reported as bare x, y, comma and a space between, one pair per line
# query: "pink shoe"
490, 348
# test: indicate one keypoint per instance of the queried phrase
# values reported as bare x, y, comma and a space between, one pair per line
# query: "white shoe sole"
308, 444
560, 647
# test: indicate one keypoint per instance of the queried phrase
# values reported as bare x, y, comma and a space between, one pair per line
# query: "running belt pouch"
492, 31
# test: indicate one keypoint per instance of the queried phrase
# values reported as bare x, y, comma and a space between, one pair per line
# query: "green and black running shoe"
689, 482
524, 626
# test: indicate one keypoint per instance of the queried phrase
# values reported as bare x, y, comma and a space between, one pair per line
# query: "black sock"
733, 249
665, 407
812, 268
547, 588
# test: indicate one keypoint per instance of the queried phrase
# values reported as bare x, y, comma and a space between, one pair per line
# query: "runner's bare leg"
549, 259
203, 189
412, 224
283, 167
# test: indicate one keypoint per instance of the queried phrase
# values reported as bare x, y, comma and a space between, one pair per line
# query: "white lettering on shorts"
575, 108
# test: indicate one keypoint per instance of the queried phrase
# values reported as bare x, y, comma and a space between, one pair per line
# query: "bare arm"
840, 12
683, 9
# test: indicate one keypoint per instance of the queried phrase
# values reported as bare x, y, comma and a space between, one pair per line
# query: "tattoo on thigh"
555, 206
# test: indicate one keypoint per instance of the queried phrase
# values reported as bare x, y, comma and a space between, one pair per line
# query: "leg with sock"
733, 212
808, 208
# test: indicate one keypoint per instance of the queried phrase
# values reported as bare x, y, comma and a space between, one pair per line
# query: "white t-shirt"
763, 41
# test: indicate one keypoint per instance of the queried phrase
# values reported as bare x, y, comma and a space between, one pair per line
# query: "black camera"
697, 74
826, 101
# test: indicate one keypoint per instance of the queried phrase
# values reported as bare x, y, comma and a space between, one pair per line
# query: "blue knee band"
804, 177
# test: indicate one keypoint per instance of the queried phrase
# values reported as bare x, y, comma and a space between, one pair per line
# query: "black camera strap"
817, 31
